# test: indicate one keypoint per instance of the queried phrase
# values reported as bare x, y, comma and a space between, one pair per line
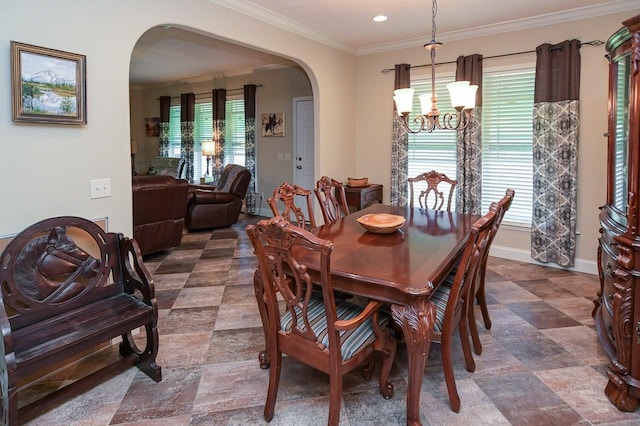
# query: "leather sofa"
159, 207
218, 206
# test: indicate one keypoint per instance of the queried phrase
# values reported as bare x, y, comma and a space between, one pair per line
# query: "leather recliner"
218, 206
159, 208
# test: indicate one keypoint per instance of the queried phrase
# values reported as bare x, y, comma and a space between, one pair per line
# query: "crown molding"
257, 12
509, 26
277, 20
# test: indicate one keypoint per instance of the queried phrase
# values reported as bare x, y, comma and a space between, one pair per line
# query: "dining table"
401, 268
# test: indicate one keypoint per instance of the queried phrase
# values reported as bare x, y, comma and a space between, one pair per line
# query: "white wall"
45, 170
373, 116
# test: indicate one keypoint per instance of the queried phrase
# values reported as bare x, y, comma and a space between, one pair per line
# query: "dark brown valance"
469, 68
403, 77
249, 101
187, 109
558, 72
165, 107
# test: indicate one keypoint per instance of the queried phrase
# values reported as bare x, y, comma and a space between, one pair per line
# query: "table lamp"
208, 150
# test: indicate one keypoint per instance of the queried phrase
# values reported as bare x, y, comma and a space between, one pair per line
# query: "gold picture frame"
47, 85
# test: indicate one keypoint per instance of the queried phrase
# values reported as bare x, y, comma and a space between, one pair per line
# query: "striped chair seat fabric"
352, 341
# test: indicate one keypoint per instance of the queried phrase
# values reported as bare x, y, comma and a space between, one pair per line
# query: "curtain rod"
589, 43
209, 93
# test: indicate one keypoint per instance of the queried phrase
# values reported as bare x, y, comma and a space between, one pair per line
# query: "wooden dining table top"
394, 267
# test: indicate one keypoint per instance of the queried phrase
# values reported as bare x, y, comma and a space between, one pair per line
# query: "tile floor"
541, 363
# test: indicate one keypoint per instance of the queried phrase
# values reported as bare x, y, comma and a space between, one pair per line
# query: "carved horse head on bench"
53, 268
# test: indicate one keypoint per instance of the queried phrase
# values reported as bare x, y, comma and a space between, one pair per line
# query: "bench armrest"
135, 275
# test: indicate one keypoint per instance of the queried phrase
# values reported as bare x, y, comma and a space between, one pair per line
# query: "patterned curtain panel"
400, 144
219, 97
187, 114
469, 142
555, 152
165, 106
250, 133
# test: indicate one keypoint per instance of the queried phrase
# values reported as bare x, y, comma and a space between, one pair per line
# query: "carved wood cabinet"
617, 310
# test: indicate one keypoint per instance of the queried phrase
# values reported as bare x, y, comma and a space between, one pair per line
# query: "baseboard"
580, 265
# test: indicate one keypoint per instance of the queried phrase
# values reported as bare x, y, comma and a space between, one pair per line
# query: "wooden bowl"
381, 223
357, 182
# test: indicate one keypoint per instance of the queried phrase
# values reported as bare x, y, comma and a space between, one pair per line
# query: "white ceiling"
173, 54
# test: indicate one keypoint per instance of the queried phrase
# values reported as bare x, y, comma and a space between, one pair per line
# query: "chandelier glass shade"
462, 94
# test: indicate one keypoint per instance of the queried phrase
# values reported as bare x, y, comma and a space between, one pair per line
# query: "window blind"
435, 150
507, 138
234, 132
174, 131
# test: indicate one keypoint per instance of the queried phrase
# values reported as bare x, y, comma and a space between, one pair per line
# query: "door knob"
299, 167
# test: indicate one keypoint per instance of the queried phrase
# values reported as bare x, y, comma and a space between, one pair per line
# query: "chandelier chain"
434, 9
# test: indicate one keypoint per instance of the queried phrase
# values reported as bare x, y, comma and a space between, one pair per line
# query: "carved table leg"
416, 321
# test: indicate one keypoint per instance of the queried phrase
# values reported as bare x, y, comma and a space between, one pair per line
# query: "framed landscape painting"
47, 85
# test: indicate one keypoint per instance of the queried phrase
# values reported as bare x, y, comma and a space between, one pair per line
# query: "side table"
359, 197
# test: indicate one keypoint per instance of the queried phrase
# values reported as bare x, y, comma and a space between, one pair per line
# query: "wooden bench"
67, 287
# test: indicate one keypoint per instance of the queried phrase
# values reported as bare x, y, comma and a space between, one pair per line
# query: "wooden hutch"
617, 310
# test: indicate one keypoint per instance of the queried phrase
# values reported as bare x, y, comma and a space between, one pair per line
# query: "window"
436, 150
234, 137
507, 137
174, 131
203, 130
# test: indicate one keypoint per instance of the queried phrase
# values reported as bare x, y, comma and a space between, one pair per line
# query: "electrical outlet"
100, 188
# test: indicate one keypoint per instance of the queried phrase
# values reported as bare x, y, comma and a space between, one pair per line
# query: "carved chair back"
286, 195
451, 300
311, 326
332, 209
437, 183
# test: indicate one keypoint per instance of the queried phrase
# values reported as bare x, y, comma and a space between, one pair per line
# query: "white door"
303, 144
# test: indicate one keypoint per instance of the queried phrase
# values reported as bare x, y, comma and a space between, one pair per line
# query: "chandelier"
462, 94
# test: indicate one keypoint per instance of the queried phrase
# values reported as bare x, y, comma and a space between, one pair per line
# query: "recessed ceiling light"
379, 18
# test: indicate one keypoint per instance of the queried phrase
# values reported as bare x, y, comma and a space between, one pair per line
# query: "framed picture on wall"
152, 126
273, 124
47, 85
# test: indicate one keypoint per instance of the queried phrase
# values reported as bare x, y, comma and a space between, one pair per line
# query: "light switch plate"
100, 188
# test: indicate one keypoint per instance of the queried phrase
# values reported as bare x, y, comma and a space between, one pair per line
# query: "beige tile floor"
541, 362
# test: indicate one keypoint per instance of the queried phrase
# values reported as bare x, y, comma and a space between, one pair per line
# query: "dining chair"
481, 299
306, 322
434, 180
451, 300
286, 195
326, 190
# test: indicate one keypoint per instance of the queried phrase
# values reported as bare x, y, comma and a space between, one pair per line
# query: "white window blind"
507, 138
174, 131
234, 132
436, 150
